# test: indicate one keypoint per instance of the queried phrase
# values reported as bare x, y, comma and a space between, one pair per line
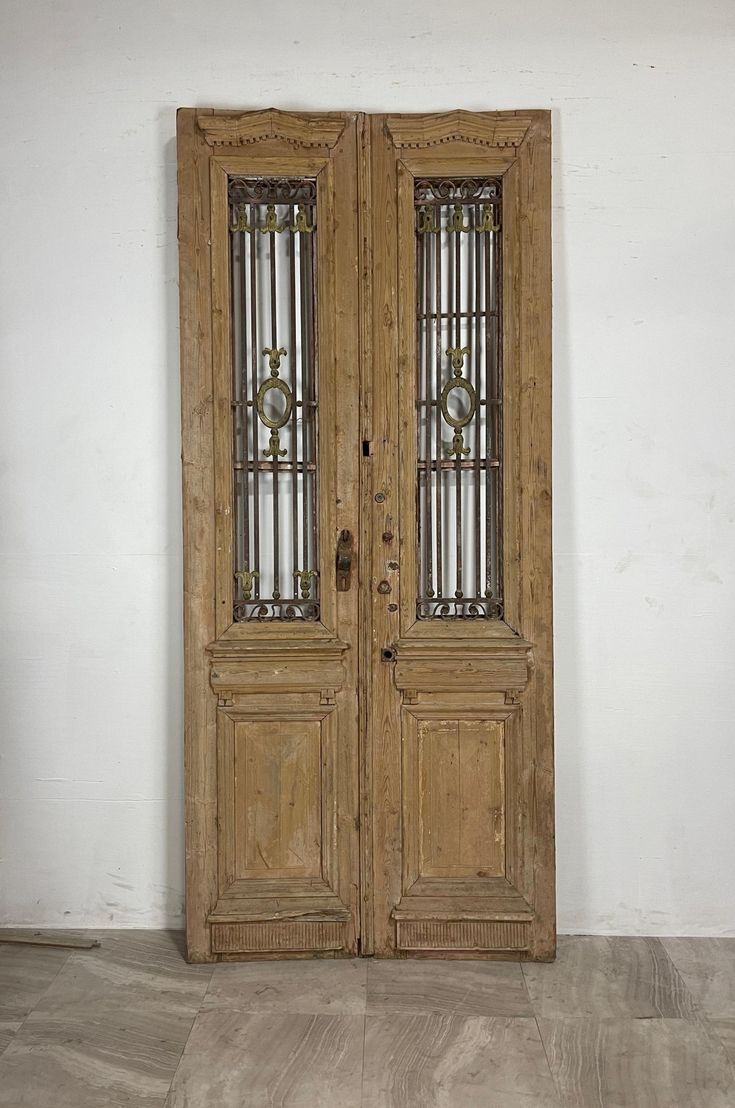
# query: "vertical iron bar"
439, 471
274, 461
458, 344
294, 391
254, 390
420, 259
306, 410
242, 394
489, 423
477, 243
428, 584
498, 408
312, 320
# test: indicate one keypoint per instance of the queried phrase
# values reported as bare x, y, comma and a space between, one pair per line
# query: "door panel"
271, 468
365, 403
277, 799
460, 798
461, 751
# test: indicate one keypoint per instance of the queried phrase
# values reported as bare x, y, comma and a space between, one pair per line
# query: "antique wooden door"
365, 335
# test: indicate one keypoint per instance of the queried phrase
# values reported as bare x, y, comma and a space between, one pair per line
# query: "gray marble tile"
233, 1059
70, 1066
463, 988
8, 1029
707, 967
25, 974
132, 978
646, 1063
335, 985
607, 978
725, 1031
437, 1061
109, 1030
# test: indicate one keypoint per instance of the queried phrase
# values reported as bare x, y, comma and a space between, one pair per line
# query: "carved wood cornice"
246, 128
491, 129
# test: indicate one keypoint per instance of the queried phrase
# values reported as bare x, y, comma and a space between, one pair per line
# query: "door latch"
344, 561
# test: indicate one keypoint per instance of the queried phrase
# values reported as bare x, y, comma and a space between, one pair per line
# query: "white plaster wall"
644, 484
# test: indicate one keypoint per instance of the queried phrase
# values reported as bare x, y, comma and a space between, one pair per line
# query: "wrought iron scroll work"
458, 317
273, 229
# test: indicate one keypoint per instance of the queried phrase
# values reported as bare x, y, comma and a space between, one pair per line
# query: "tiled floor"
614, 1023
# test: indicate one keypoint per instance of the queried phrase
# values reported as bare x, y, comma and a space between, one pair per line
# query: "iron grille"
459, 397
274, 400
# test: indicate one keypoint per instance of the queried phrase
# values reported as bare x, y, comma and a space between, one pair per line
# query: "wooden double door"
365, 335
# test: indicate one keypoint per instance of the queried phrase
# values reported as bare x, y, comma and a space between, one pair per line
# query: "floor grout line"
685, 990
164, 1102
362, 1072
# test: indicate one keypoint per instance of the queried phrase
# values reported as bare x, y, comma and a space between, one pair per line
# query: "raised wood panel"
461, 800
460, 797
277, 801
279, 805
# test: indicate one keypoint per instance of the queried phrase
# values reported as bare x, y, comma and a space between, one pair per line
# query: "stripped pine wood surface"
379, 782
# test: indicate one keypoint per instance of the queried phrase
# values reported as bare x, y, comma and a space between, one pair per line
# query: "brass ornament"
456, 223
241, 220
488, 219
274, 443
427, 224
274, 357
304, 578
274, 382
271, 221
457, 354
247, 578
300, 222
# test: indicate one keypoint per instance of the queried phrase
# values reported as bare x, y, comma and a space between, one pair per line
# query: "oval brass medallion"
453, 420
274, 355
457, 355
274, 383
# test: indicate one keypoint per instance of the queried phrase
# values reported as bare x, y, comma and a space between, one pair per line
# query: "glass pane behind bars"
274, 401
459, 480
